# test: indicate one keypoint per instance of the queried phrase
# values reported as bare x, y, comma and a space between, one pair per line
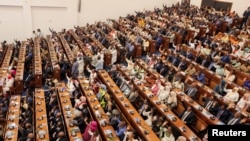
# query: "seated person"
192, 90
245, 67
232, 95
150, 80
219, 88
229, 75
188, 116
235, 120
246, 84
244, 102
9, 82
190, 70
200, 76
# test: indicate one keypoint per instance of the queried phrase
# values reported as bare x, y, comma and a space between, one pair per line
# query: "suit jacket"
213, 109
237, 122
224, 116
164, 70
192, 92
190, 119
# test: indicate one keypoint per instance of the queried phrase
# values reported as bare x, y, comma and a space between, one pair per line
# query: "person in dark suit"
223, 114
164, 70
210, 104
74, 70
188, 116
175, 60
182, 65
192, 90
235, 119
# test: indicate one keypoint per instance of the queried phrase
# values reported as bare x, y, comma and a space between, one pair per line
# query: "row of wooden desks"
86, 51
37, 63
7, 57
107, 131
66, 48
5, 65
206, 116
68, 112
162, 108
11, 132
54, 59
20, 68
129, 111
41, 122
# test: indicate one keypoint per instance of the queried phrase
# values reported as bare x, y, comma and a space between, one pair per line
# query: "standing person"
74, 69
246, 14
81, 67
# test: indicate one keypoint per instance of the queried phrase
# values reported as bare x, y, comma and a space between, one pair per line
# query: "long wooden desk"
54, 59
206, 116
7, 57
107, 131
68, 112
86, 51
161, 108
5, 65
66, 48
124, 104
37, 63
41, 122
20, 68
11, 132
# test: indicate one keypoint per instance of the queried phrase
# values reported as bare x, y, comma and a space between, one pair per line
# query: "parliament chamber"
159, 75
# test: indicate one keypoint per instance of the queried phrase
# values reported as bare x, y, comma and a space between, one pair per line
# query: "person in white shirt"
172, 99
92, 75
70, 85
244, 102
164, 91
219, 69
9, 82
179, 85
229, 75
166, 134
232, 95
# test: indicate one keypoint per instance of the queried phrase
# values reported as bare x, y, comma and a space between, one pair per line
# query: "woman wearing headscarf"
90, 130
220, 88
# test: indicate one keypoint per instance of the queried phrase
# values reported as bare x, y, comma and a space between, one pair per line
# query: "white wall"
18, 18
95, 10
238, 6
11, 23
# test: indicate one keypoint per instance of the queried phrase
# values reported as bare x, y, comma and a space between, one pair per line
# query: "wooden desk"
67, 111
11, 132
161, 108
7, 57
5, 65
66, 48
125, 105
20, 68
54, 59
41, 121
95, 109
86, 51
203, 113
37, 63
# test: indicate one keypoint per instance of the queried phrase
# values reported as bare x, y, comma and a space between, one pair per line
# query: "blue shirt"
201, 78
120, 132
